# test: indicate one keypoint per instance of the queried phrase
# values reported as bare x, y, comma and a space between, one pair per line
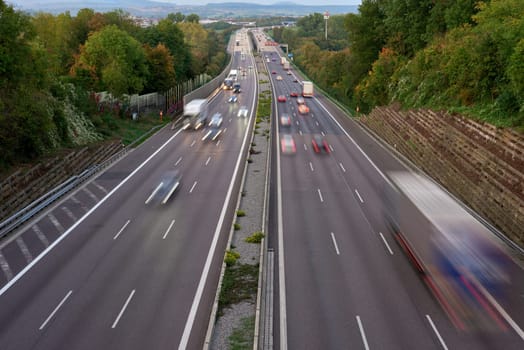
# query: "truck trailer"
307, 89
463, 265
195, 114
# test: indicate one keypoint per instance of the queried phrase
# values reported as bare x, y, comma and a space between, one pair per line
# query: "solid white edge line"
386, 243
353, 141
55, 310
122, 229
66, 233
335, 243
437, 333
360, 198
193, 187
501, 310
362, 333
281, 259
123, 309
152, 195
203, 277
168, 229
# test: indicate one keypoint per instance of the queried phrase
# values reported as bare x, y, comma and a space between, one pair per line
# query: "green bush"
231, 257
256, 237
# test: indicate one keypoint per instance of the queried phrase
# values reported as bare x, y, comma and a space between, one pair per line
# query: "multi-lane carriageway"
104, 270
343, 282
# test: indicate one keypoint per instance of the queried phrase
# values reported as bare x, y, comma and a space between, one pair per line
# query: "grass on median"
240, 283
242, 336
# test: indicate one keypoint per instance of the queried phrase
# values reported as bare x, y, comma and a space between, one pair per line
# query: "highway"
344, 283
104, 270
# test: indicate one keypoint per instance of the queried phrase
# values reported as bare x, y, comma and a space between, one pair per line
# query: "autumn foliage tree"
114, 60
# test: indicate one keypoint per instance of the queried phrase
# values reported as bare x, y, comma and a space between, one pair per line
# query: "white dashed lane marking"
90, 194
24, 249
5, 267
56, 223
69, 213
40, 235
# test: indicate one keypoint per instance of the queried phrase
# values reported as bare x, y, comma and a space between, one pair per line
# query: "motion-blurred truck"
307, 89
459, 259
195, 114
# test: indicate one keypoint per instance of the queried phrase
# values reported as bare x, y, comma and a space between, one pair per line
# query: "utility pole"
326, 17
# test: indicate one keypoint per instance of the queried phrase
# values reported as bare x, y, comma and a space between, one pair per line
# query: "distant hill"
148, 8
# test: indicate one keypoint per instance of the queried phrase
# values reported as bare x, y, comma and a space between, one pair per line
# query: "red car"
303, 109
274, 72
319, 144
288, 144
281, 98
293, 94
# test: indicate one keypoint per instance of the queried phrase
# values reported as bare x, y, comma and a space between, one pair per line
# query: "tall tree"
406, 22
195, 36
161, 69
168, 33
115, 60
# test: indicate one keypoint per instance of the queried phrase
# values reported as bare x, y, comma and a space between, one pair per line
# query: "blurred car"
236, 88
295, 80
279, 77
274, 72
233, 99
169, 183
214, 128
300, 100
303, 109
293, 94
319, 144
288, 144
273, 59
285, 120
281, 98
242, 112
288, 72
216, 120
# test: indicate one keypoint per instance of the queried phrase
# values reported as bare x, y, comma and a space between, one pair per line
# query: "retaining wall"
479, 163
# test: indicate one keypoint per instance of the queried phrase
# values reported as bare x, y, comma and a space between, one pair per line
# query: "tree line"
50, 65
457, 55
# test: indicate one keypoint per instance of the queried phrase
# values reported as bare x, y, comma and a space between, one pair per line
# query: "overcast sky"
203, 2
301, 2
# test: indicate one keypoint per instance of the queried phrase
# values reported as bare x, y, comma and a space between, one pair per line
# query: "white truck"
465, 268
286, 65
282, 60
307, 89
195, 114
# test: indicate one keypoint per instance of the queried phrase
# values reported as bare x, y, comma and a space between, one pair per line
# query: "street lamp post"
326, 17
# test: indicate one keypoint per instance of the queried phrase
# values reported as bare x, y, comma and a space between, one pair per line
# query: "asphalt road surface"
343, 281
105, 270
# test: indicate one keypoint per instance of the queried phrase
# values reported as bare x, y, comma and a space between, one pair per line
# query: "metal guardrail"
23, 215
